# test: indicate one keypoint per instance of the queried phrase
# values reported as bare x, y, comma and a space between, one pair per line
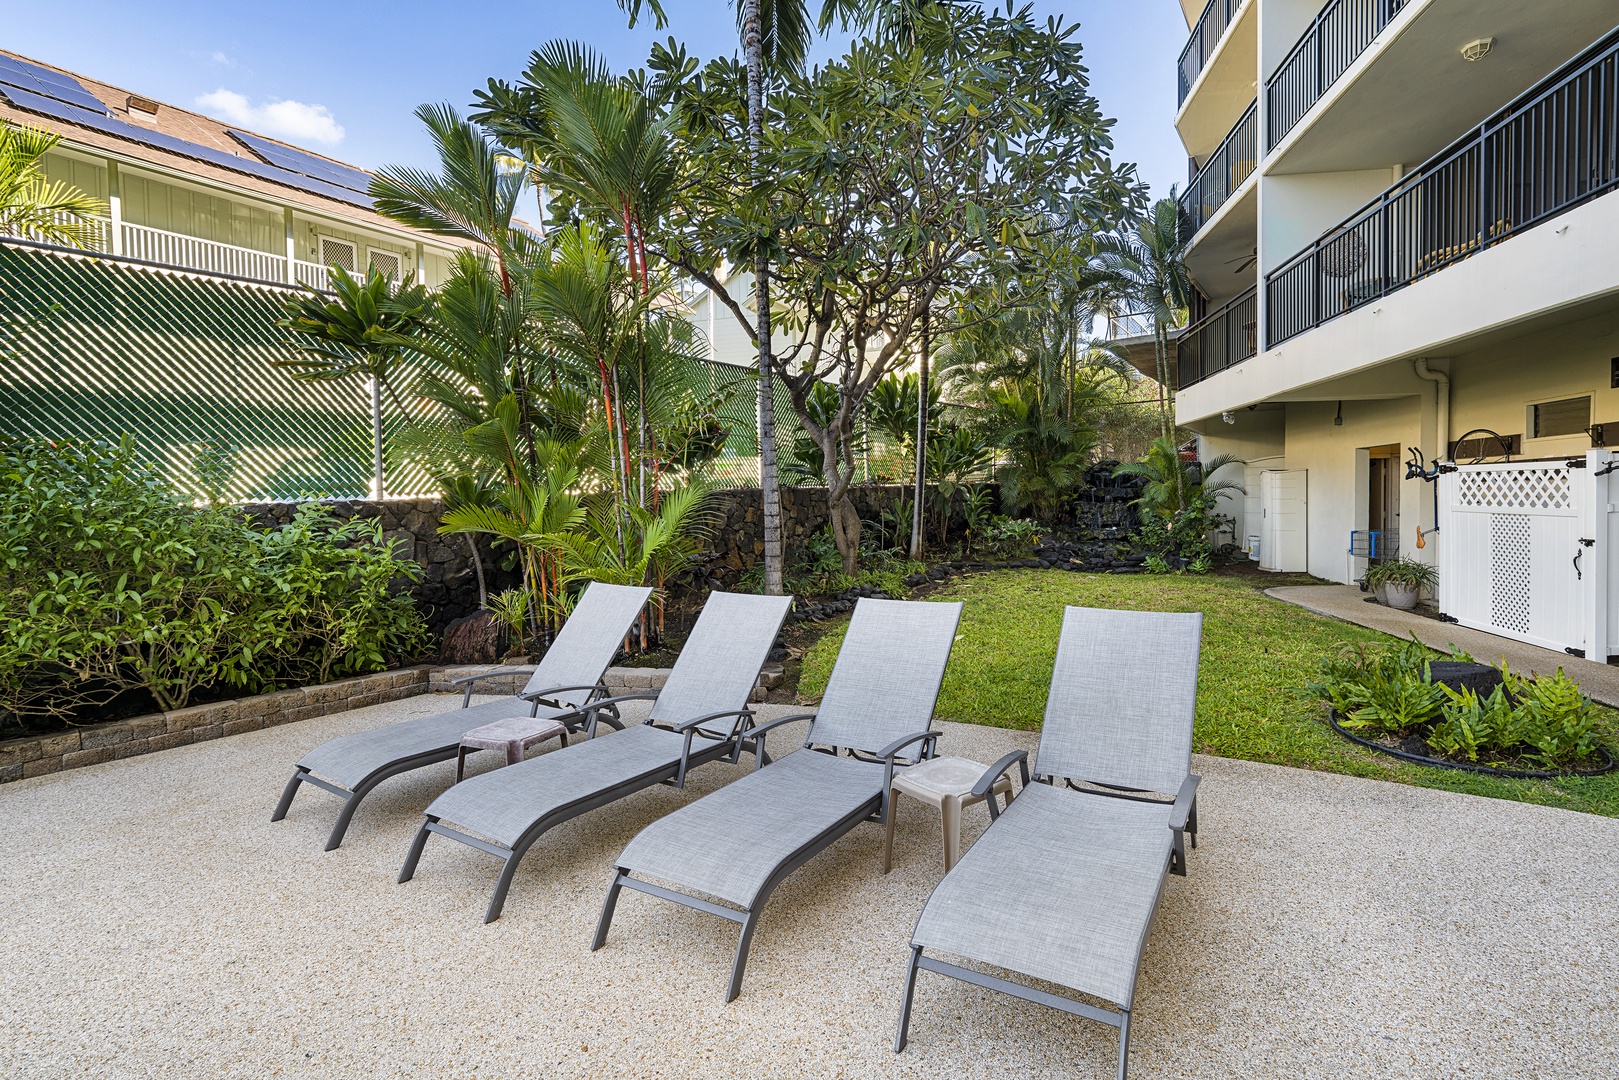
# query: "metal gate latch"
1584, 543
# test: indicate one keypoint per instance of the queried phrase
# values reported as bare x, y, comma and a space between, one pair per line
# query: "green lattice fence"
97, 348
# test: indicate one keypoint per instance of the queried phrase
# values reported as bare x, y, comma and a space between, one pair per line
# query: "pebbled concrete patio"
157, 923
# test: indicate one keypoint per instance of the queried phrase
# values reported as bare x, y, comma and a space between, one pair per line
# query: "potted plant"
1400, 582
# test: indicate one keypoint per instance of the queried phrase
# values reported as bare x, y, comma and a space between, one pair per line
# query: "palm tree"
660, 542
30, 205
1046, 454
364, 329
473, 198
532, 515
1172, 483
1150, 259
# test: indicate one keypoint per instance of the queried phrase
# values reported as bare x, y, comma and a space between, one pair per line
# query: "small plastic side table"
515, 735
945, 782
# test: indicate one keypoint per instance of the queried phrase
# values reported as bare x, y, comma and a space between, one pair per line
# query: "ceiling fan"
1245, 260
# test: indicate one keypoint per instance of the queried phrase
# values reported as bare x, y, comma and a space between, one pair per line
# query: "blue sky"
344, 77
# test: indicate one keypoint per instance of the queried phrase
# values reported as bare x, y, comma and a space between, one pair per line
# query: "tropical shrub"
113, 584
1388, 691
1179, 506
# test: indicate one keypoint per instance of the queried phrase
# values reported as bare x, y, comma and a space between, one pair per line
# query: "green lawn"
1257, 654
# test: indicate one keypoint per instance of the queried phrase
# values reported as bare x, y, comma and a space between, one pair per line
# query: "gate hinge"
1575, 463
1447, 618
1572, 651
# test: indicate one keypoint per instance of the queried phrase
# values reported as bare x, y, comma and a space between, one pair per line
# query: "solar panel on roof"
299, 161
54, 107
47, 83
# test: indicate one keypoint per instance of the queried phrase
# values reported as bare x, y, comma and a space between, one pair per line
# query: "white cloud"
291, 120
221, 59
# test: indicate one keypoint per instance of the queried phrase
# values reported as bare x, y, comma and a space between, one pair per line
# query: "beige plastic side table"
945, 782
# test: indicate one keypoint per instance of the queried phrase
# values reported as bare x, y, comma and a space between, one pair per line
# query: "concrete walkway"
1599, 681
157, 924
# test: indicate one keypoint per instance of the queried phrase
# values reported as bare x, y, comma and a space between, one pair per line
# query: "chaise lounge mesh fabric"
567, 677
1064, 884
699, 716
740, 842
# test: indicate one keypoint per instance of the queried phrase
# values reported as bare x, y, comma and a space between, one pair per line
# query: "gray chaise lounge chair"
712, 680
1064, 884
569, 675
740, 842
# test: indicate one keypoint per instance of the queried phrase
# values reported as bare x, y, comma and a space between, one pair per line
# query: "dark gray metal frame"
728, 745
1182, 820
873, 809
351, 796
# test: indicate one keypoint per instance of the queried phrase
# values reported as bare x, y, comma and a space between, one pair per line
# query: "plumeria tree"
906, 176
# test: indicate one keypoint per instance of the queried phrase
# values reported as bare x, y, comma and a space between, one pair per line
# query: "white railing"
308, 273
175, 249
101, 241
1134, 324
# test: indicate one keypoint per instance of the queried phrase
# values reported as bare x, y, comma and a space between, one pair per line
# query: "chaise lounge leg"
608, 907
417, 844
903, 1035
741, 961
291, 789
498, 900
344, 816
1124, 1042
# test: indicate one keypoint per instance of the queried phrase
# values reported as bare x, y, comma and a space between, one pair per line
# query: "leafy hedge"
112, 583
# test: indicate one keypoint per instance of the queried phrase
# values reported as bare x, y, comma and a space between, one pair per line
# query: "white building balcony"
1374, 84
1218, 74
177, 251
1513, 222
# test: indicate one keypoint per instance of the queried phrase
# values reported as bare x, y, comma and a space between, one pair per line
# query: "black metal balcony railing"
1553, 148
1226, 336
1205, 37
1222, 174
1339, 33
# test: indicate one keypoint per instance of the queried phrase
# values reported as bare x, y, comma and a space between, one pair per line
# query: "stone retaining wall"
39, 755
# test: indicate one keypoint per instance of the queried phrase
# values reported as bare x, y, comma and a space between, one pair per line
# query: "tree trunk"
918, 515
769, 490
378, 484
477, 566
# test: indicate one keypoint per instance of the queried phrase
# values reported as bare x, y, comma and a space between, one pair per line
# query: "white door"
1511, 560
1283, 545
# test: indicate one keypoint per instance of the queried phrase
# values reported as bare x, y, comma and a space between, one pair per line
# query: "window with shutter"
388, 262
1570, 416
335, 252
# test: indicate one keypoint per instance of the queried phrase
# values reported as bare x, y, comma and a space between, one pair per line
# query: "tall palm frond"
31, 204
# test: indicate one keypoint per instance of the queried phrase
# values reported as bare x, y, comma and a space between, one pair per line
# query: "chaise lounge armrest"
888, 752
610, 705
757, 734
1185, 802
468, 680
891, 751
993, 774
1183, 817
742, 716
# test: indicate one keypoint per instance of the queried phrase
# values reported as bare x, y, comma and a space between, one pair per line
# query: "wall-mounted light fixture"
1338, 421
1228, 418
1477, 49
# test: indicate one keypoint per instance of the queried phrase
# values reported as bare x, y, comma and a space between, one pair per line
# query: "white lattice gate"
1524, 550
